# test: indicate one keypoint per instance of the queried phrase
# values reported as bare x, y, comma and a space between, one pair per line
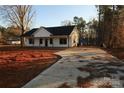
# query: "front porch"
58, 41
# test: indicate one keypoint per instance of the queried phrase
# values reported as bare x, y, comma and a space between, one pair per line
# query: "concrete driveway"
82, 67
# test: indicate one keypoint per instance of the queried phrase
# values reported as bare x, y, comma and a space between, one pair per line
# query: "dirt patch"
64, 85
102, 73
20, 66
86, 69
105, 85
88, 83
119, 53
83, 82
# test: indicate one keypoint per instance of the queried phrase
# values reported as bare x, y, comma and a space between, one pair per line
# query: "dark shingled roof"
62, 30
29, 33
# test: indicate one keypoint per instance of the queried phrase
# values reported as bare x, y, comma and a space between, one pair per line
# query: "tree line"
87, 30
111, 26
107, 30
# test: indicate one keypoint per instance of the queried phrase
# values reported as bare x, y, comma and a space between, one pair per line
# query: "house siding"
72, 39
56, 42
41, 32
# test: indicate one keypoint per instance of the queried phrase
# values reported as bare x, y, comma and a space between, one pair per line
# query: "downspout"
33, 41
39, 42
68, 41
53, 42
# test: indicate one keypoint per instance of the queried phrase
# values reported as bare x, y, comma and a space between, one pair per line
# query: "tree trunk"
112, 30
22, 39
99, 30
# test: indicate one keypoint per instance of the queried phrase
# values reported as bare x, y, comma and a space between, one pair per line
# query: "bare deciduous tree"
19, 16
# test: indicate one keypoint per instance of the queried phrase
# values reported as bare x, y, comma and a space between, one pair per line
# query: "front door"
46, 42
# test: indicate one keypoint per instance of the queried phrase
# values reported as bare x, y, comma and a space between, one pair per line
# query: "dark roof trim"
29, 33
61, 30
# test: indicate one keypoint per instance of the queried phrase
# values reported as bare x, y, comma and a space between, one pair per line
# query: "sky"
53, 15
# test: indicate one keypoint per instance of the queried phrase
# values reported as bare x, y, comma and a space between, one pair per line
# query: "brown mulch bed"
17, 67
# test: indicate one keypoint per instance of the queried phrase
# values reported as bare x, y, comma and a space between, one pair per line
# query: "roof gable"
41, 32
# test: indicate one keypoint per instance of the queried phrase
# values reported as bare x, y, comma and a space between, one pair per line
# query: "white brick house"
63, 36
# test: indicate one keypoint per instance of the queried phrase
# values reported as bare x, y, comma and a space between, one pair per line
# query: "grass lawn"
20, 65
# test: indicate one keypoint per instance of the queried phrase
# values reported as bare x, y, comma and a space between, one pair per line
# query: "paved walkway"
82, 67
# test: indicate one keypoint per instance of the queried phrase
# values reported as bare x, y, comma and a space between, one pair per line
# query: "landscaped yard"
18, 66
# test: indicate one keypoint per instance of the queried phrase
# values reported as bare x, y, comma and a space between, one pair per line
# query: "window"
41, 41
51, 41
31, 41
63, 41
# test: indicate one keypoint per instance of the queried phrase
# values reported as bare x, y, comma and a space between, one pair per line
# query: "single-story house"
62, 36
